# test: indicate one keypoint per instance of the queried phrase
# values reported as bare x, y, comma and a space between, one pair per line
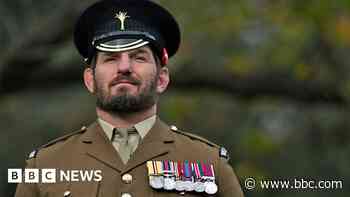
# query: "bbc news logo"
33, 175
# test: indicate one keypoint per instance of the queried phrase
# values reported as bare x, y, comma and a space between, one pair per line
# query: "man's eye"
109, 59
140, 58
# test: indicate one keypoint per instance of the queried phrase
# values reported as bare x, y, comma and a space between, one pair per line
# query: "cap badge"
122, 16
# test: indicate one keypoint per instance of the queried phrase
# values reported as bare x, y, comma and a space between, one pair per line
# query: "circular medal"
179, 185
189, 186
152, 182
199, 186
211, 188
169, 184
195, 185
156, 182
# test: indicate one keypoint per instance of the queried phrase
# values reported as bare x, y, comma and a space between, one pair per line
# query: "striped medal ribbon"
154, 174
168, 174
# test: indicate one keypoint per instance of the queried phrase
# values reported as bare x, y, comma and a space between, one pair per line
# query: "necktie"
126, 141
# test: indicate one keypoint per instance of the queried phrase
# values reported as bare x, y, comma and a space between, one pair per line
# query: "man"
126, 44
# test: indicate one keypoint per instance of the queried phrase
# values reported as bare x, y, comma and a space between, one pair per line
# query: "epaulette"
222, 151
35, 151
194, 137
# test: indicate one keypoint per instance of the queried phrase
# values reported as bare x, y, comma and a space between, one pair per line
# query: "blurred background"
267, 79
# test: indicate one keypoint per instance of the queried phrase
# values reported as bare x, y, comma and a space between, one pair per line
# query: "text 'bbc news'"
32, 175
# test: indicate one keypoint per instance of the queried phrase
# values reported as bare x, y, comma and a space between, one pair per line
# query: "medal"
188, 176
210, 188
198, 185
151, 174
160, 173
182, 176
156, 182
173, 176
155, 179
169, 182
179, 185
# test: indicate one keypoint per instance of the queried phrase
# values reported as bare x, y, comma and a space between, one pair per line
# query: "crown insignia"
122, 16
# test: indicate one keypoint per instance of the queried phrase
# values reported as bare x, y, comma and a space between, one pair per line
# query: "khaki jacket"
89, 148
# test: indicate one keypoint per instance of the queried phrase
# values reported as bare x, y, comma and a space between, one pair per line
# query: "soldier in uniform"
126, 45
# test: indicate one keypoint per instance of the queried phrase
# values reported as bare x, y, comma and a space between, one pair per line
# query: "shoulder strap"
82, 130
35, 151
194, 137
223, 153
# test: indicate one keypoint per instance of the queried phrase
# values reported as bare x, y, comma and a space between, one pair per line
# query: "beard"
126, 102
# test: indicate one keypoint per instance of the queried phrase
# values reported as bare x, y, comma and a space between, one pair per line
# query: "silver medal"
199, 186
189, 186
210, 188
179, 185
169, 183
156, 182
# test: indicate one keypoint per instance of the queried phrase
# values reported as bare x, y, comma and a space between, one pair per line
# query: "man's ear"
89, 80
163, 80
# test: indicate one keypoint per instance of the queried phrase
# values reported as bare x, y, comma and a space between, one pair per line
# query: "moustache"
123, 79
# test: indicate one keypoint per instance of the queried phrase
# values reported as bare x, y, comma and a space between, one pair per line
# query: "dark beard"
127, 103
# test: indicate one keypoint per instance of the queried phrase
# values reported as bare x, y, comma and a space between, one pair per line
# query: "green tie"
126, 141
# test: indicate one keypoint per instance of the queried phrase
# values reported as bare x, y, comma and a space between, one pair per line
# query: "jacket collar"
142, 127
98, 146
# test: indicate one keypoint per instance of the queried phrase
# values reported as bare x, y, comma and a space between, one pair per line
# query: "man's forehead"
143, 49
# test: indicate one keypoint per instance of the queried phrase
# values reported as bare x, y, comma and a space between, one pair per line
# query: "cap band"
121, 43
121, 47
124, 34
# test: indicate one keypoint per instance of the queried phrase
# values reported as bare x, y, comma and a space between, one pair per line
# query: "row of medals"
182, 176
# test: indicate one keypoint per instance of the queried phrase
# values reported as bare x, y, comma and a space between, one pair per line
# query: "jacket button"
66, 193
173, 127
126, 195
127, 178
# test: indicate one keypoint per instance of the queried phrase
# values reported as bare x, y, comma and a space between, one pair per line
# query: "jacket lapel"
159, 141
100, 148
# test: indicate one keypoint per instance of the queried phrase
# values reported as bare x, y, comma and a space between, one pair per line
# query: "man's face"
127, 81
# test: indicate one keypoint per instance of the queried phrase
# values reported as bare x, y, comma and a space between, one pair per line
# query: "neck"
127, 119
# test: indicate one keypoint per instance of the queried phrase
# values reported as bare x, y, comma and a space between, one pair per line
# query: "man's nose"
124, 64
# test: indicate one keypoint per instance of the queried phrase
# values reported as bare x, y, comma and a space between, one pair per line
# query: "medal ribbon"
212, 170
210, 173
150, 168
196, 168
205, 171
187, 169
180, 169
159, 167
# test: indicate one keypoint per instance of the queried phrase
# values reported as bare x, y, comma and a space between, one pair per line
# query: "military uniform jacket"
89, 148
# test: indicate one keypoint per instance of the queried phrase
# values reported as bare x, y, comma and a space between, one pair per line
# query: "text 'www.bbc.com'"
292, 184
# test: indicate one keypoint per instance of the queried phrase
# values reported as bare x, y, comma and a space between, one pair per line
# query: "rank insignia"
182, 176
224, 153
32, 154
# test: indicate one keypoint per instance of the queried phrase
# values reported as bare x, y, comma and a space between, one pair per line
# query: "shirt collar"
142, 127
